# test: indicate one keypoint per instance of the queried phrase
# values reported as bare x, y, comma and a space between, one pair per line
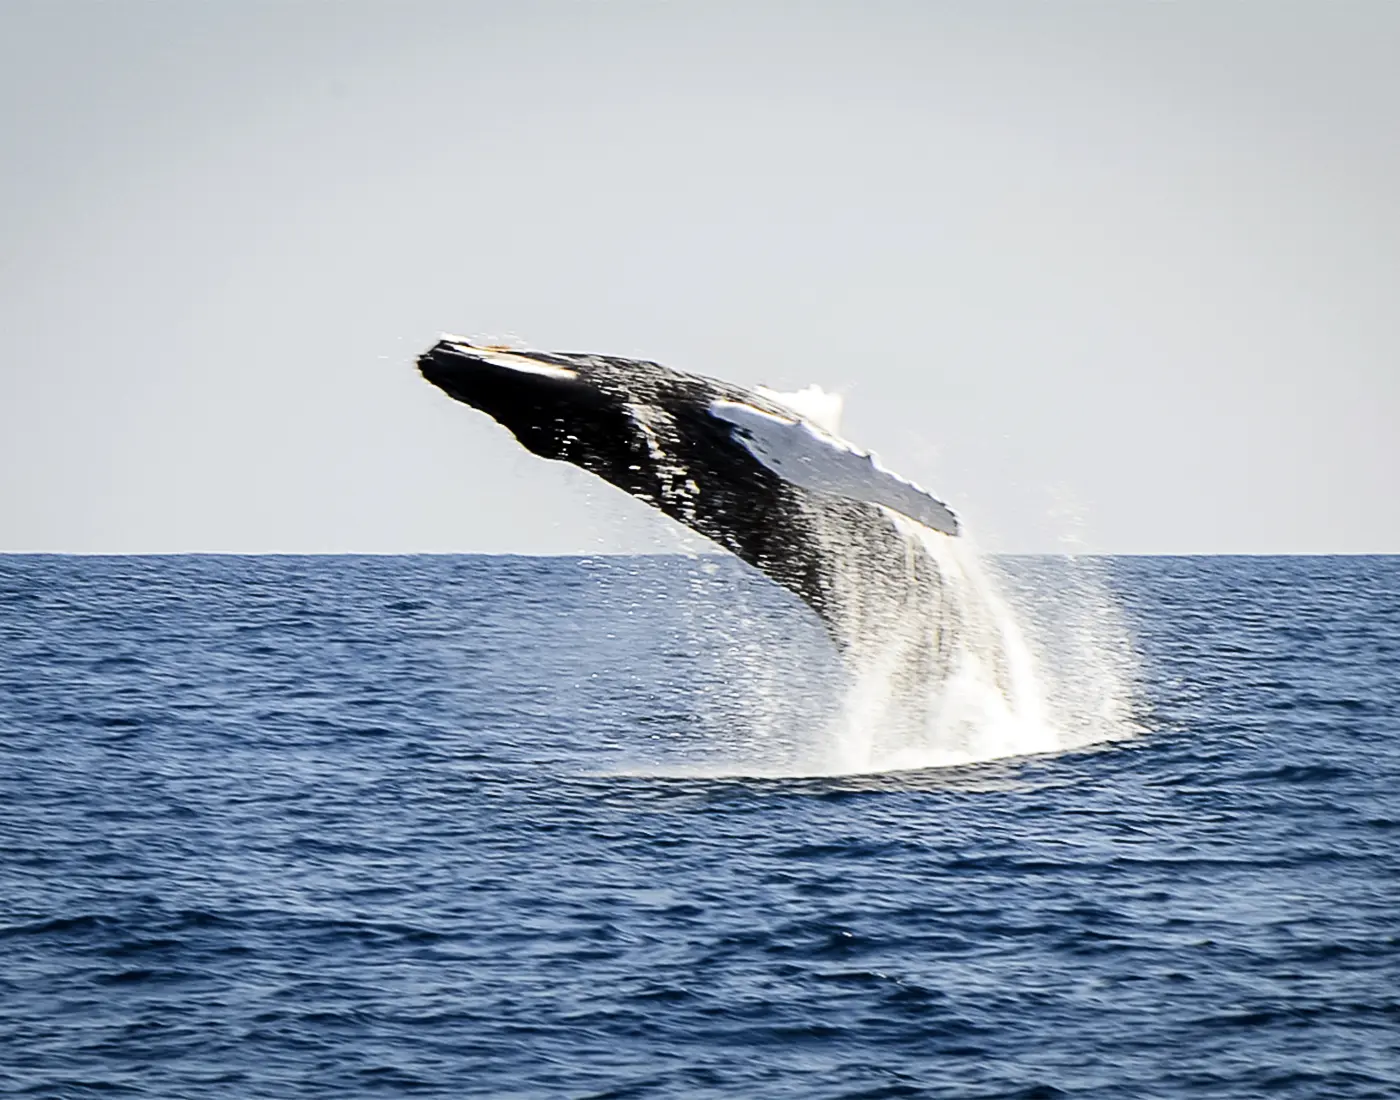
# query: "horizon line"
581, 556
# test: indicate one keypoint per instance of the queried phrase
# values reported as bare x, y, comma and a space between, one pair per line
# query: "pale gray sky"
1123, 272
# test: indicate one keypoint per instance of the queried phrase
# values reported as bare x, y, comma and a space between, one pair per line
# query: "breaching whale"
773, 485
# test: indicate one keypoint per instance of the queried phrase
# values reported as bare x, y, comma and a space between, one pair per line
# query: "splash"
1006, 658
998, 688
936, 689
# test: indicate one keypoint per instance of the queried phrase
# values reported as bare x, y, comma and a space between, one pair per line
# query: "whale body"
781, 491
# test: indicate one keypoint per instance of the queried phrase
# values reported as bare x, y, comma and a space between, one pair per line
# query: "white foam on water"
1014, 681
987, 703
1029, 660
1034, 657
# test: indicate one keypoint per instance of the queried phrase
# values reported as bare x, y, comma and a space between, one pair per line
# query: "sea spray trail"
1000, 669
985, 700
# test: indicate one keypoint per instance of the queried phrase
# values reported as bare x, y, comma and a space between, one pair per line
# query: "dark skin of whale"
648, 430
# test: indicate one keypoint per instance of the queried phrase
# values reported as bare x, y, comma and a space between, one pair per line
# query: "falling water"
1018, 658
1054, 673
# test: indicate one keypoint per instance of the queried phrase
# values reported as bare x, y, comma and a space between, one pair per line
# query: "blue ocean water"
464, 826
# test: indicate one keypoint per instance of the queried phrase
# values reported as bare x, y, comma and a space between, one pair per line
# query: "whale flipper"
795, 501
802, 453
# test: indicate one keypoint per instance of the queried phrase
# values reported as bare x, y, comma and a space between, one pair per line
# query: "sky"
1116, 277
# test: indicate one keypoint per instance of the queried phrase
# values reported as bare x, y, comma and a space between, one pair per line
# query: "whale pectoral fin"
806, 456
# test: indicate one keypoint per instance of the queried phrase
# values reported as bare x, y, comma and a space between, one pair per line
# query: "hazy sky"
1121, 272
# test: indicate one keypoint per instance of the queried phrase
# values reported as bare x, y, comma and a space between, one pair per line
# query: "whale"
764, 475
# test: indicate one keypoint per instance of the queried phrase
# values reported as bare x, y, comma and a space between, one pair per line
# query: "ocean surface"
515, 827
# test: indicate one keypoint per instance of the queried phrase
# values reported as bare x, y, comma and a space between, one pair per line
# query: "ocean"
468, 826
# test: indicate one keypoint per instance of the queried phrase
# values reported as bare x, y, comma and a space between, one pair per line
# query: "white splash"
987, 676
1062, 681
986, 702
812, 403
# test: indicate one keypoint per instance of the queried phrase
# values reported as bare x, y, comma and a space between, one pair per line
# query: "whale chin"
755, 475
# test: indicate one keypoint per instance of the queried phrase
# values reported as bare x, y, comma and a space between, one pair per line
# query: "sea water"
473, 826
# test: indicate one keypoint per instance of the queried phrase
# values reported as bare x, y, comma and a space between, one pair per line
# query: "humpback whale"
745, 468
